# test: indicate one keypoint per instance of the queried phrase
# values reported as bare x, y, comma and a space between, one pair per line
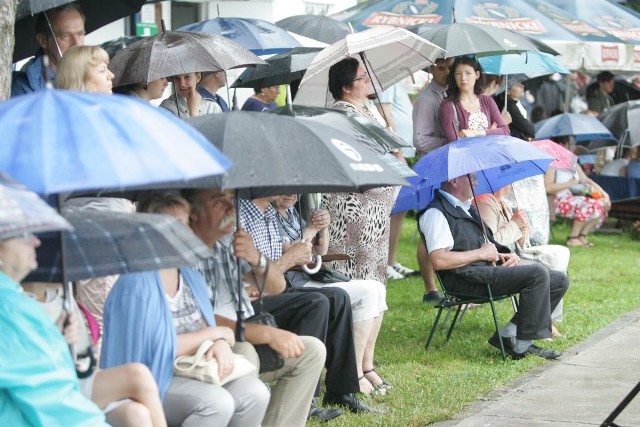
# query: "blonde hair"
76, 65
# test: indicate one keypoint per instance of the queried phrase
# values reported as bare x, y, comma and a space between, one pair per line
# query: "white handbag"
199, 368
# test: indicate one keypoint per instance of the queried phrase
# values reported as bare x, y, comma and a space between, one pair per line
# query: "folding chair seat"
459, 301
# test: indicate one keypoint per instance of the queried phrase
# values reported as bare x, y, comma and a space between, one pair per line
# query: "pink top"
487, 106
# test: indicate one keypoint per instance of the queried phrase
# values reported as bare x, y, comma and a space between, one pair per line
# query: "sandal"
585, 242
574, 239
383, 385
378, 390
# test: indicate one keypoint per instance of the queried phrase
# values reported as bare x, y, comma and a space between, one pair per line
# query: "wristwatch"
262, 263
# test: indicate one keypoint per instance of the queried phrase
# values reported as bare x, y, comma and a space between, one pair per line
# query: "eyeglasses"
365, 77
26, 236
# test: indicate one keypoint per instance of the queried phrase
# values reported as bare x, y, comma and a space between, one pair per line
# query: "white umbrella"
391, 54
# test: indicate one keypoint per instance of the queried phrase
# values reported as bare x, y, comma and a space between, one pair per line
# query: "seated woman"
577, 197
511, 229
263, 99
39, 382
127, 394
368, 297
152, 317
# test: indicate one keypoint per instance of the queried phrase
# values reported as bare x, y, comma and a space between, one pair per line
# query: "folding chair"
459, 300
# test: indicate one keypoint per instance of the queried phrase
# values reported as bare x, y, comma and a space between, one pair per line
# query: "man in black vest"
458, 251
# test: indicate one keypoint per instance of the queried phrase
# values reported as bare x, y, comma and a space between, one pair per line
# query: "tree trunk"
7, 40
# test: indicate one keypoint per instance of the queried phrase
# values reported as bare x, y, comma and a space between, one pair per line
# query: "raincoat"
38, 382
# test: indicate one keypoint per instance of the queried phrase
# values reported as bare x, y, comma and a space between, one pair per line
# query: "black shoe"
509, 345
351, 402
432, 297
323, 414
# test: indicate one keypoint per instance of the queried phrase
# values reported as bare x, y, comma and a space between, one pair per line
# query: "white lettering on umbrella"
366, 167
347, 150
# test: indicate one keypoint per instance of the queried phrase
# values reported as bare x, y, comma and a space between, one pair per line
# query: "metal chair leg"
433, 328
495, 323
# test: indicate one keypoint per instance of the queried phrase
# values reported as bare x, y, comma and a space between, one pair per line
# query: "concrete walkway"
580, 389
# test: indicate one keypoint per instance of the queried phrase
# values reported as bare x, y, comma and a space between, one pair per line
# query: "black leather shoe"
509, 344
351, 402
323, 414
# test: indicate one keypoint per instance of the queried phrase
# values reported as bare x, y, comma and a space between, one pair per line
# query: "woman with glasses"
359, 221
467, 111
37, 376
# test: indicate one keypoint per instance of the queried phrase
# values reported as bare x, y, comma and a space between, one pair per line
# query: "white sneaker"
405, 271
392, 274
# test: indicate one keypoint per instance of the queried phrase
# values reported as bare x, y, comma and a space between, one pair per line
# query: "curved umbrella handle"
315, 268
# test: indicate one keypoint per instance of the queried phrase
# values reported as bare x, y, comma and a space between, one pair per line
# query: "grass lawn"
434, 385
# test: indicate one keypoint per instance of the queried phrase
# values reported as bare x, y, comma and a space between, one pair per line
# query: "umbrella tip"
164, 27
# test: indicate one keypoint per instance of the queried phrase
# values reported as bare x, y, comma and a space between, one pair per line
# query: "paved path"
580, 389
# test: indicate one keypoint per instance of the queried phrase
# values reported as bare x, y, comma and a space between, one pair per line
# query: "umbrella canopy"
280, 69
98, 14
369, 133
287, 155
105, 243
259, 36
497, 160
529, 63
565, 159
177, 52
317, 27
116, 45
24, 211
623, 120
582, 126
57, 141
581, 45
459, 39
391, 55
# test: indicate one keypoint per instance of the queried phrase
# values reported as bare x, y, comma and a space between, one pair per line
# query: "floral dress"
360, 225
580, 208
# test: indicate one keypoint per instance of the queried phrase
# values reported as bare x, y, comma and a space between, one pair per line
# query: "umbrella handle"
315, 268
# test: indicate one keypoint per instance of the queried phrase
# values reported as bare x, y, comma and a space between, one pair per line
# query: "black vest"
467, 235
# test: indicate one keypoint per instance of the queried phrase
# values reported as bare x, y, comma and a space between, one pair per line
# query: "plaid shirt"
263, 227
221, 274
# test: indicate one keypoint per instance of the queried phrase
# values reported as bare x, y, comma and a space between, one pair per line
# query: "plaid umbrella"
105, 243
23, 211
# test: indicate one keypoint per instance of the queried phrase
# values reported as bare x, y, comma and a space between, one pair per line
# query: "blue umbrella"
497, 160
524, 63
260, 37
56, 141
582, 126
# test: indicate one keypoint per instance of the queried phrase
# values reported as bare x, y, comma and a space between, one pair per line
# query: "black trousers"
540, 290
324, 313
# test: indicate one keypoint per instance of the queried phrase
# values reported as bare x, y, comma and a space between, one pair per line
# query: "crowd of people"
147, 319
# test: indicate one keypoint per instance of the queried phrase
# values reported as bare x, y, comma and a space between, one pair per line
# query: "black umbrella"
98, 13
369, 133
317, 27
177, 52
106, 243
275, 154
280, 69
623, 120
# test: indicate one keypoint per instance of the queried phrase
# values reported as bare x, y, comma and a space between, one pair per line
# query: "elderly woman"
148, 91
38, 377
178, 318
360, 221
467, 111
368, 297
84, 69
263, 99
